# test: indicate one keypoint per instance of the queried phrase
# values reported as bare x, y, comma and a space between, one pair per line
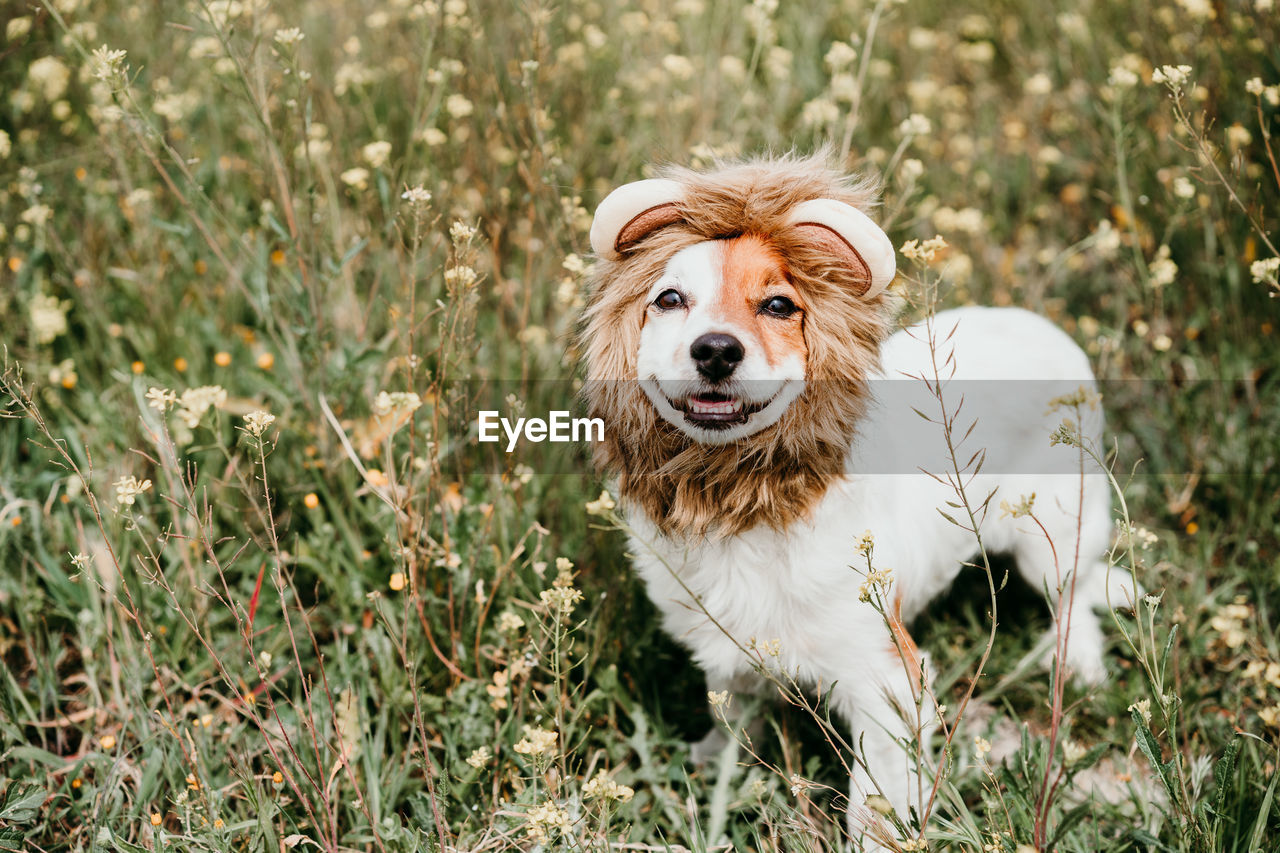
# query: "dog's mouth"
712, 410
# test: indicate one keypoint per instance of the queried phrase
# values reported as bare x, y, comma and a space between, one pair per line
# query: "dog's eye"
779, 306
669, 299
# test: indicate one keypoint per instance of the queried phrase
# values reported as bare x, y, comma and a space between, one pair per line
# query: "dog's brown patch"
903, 646
777, 475
753, 271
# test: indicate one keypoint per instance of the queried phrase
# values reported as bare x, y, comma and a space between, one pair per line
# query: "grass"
297, 639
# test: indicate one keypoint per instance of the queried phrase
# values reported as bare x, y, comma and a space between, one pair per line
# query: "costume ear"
849, 235
632, 212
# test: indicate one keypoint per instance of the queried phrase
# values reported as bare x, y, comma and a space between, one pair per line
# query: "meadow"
261, 589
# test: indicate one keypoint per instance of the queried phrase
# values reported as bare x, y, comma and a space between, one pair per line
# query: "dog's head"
735, 315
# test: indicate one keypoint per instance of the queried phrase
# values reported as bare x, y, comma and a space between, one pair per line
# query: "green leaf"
1070, 819
21, 802
1151, 842
1223, 772
1151, 749
1168, 647
1092, 757
33, 753
1264, 812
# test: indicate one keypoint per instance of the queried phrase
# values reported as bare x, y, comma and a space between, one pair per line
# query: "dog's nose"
716, 355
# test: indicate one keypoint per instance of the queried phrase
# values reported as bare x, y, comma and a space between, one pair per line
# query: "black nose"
716, 355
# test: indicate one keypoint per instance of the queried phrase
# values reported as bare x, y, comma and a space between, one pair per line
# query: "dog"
761, 413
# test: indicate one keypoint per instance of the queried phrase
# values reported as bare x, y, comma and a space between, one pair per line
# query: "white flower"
17, 28
388, 402
536, 741
820, 111
915, 125
547, 821
458, 106
128, 489
1106, 239
417, 197
679, 67
1163, 269
37, 215
108, 64
1140, 536
875, 584
461, 275
1254, 86
1238, 136
840, 55
604, 788
289, 36
509, 622
1122, 78
601, 505
1183, 187
911, 169
772, 648
924, 252
1265, 271
357, 178
461, 232
1023, 508
1038, 84
1172, 76
433, 137
48, 317
376, 153
561, 599
257, 422
160, 399
1200, 10
194, 402
50, 75
866, 543
480, 757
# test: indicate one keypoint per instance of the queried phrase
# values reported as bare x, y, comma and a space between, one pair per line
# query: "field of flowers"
261, 589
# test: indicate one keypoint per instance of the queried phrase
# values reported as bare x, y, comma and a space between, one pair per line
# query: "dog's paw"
1085, 653
708, 749
1089, 671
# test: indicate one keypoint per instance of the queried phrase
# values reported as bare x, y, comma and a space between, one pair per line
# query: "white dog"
759, 417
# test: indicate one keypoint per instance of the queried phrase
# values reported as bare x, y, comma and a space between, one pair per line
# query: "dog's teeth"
726, 407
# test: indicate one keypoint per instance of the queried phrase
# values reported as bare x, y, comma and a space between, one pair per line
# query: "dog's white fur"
799, 585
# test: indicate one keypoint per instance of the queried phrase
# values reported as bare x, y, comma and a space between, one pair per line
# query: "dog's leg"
1097, 588
893, 717
1048, 562
743, 686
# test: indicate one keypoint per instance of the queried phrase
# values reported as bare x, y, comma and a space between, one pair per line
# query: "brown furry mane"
775, 476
